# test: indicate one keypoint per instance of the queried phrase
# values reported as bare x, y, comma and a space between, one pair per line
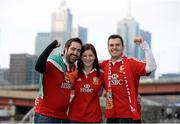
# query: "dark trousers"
122, 120
38, 118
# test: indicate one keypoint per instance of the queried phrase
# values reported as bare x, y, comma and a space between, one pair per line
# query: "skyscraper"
61, 20
61, 25
81, 32
128, 28
22, 69
41, 42
147, 37
4, 76
61, 30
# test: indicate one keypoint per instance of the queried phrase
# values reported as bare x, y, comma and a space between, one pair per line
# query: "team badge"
95, 80
121, 69
86, 89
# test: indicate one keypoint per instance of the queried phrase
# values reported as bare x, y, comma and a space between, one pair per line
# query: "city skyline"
160, 17
62, 29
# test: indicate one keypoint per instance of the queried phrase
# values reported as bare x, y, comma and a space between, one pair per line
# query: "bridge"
14, 97
160, 87
24, 95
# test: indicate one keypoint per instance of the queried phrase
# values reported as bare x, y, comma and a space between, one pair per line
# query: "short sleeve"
138, 67
102, 65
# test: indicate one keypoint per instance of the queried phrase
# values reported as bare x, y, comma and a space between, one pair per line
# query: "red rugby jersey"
56, 93
135, 69
85, 106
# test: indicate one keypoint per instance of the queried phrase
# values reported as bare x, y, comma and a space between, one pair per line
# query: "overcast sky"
21, 20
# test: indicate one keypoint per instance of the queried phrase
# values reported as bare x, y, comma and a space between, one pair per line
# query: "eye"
117, 44
91, 55
72, 48
79, 50
111, 45
84, 55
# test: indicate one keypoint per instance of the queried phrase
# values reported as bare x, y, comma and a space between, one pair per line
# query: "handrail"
28, 117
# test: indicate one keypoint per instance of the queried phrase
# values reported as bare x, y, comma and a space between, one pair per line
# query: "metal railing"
28, 118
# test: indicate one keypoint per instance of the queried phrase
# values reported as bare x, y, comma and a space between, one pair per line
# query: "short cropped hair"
114, 36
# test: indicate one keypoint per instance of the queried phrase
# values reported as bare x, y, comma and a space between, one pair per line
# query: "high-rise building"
42, 41
81, 32
147, 37
1, 75
4, 74
61, 20
128, 28
61, 25
61, 30
22, 69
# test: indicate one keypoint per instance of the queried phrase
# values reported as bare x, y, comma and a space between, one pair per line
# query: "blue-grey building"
22, 70
129, 28
42, 40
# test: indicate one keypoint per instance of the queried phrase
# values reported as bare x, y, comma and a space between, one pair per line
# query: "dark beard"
69, 60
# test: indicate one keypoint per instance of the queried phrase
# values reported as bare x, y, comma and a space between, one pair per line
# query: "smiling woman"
88, 59
87, 86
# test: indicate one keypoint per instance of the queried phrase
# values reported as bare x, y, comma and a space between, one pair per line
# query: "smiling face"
115, 48
73, 52
88, 58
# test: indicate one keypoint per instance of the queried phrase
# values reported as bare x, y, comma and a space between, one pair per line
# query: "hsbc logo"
115, 80
114, 77
66, 85
86, 88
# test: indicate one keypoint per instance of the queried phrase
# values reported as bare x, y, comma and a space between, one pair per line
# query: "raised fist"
138, 40
58, 44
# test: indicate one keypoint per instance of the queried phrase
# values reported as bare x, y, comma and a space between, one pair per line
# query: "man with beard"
54, 89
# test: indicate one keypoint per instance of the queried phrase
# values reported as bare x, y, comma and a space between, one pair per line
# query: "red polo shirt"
85, 106
134, 69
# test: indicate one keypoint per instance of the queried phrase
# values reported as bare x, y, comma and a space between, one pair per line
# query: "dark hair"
114, 36
68, 42
80, 64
